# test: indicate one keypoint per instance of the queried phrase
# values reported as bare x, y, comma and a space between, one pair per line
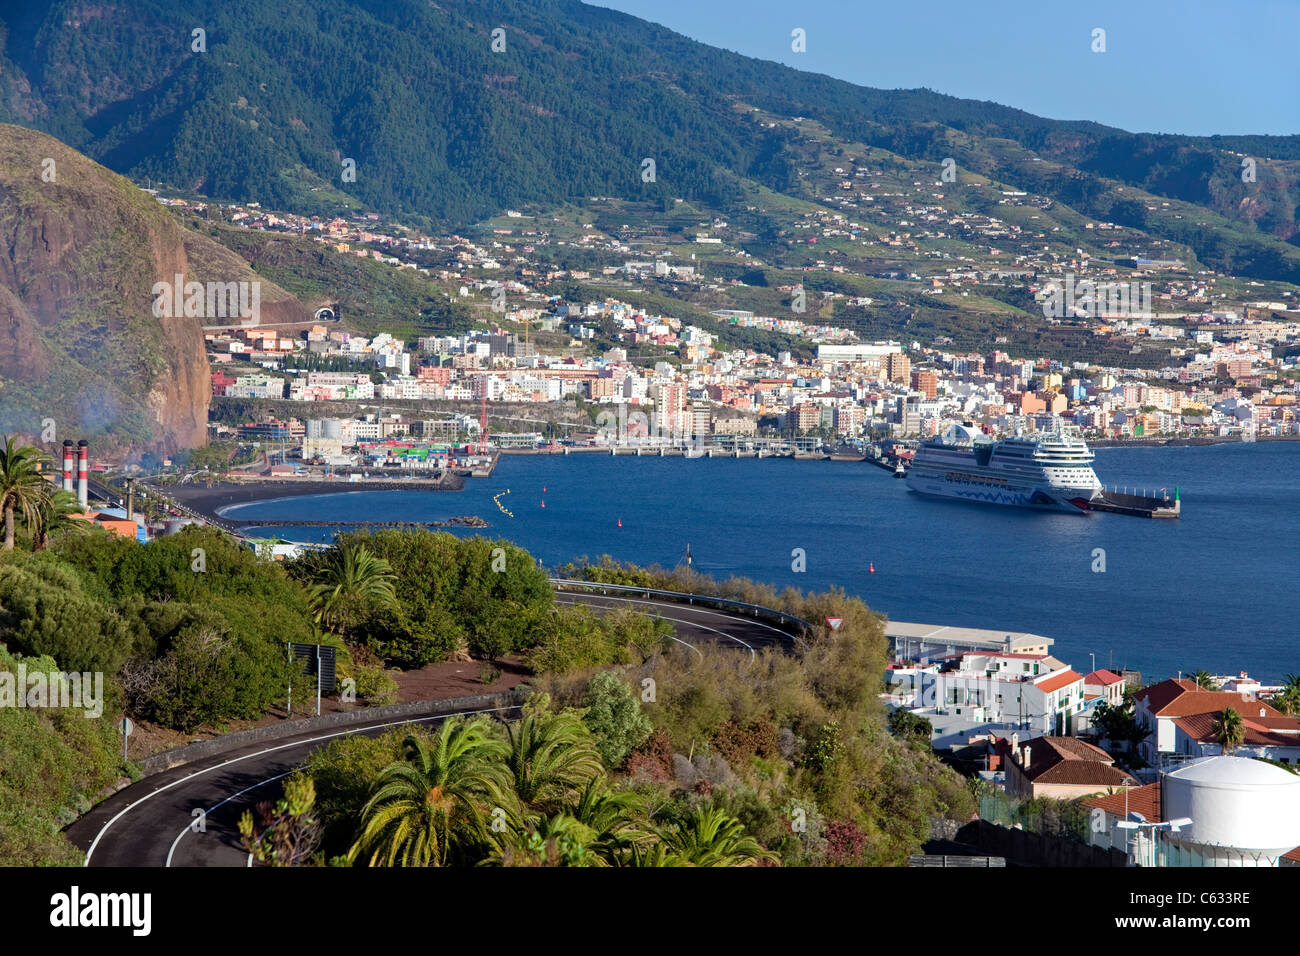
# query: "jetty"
1138, 506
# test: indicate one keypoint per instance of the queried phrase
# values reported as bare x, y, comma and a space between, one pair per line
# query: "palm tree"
55, 512
349, 576
435, 804
22, 487
614, 819
1288, 700
1228, 729
551, 758
713, 838
601, 828
652, 854
559, 840
1204, 680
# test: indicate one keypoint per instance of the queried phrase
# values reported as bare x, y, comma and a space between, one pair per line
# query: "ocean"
1216, 589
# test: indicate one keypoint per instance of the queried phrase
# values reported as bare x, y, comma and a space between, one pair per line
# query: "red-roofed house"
1179, 714
1059, 696
221, 381
1273, 738
1059, 767
1106, 685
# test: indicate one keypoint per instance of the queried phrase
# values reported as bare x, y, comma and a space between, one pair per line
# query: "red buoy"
871, 568
620, 522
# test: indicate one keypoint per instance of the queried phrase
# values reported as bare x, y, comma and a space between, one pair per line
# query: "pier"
1137, 506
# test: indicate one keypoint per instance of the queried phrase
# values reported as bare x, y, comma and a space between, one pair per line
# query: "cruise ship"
1049, 470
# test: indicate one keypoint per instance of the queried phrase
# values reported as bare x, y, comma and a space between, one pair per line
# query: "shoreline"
1186, 442
210, 502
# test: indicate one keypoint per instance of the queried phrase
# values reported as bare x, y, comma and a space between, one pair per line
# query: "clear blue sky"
1170, 66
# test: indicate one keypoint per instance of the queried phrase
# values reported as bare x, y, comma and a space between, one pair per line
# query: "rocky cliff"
82, 340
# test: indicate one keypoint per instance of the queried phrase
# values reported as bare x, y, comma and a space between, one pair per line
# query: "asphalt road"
187, 816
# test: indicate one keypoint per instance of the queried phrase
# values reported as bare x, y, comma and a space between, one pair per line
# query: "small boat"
900, 471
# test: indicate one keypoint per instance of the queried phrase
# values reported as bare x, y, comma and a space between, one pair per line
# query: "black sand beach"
207, 501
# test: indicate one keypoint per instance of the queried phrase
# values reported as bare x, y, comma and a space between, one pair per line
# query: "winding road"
187, 816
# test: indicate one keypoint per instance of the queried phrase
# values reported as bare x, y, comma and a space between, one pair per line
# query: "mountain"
83, 251
439, 126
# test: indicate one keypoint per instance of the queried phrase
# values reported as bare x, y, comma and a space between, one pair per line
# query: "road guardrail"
756, 610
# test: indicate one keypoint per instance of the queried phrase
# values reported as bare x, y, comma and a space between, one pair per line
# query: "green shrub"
487, 596
209, 675
44, 610
52, 762
374, 684
576, 638
613, 714
344, 771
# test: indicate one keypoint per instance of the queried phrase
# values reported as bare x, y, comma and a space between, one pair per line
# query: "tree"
434, 805
712, 837
54, 512
615, 719
912, 728
350, 576
613, 819
1118, 722
551, 758
559, 840
284, 833
1204, 680
1228, 729
1288, 701
22, 487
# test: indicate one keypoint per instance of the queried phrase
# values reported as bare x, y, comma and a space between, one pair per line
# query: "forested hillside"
441, 127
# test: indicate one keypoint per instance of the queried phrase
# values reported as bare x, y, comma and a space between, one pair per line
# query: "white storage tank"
1235, 804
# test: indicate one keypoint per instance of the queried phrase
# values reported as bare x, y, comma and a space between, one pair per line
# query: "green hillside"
443, 128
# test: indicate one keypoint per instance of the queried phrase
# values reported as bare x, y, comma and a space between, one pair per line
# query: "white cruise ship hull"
1050, 472
1028, 497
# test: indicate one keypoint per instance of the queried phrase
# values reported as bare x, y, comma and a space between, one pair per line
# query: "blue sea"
1216, 589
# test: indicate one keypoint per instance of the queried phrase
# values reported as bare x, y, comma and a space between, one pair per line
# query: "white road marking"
343, 733
217, 806
297, 743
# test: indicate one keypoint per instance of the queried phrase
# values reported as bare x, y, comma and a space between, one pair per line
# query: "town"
1029, 725
1187, 357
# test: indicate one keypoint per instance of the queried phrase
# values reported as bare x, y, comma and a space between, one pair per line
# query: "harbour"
1016, 569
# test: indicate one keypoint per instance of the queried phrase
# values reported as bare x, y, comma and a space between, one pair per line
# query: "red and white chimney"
83, 489
67, 464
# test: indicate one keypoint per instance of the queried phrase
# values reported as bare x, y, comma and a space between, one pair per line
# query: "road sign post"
317, 660
126, 728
